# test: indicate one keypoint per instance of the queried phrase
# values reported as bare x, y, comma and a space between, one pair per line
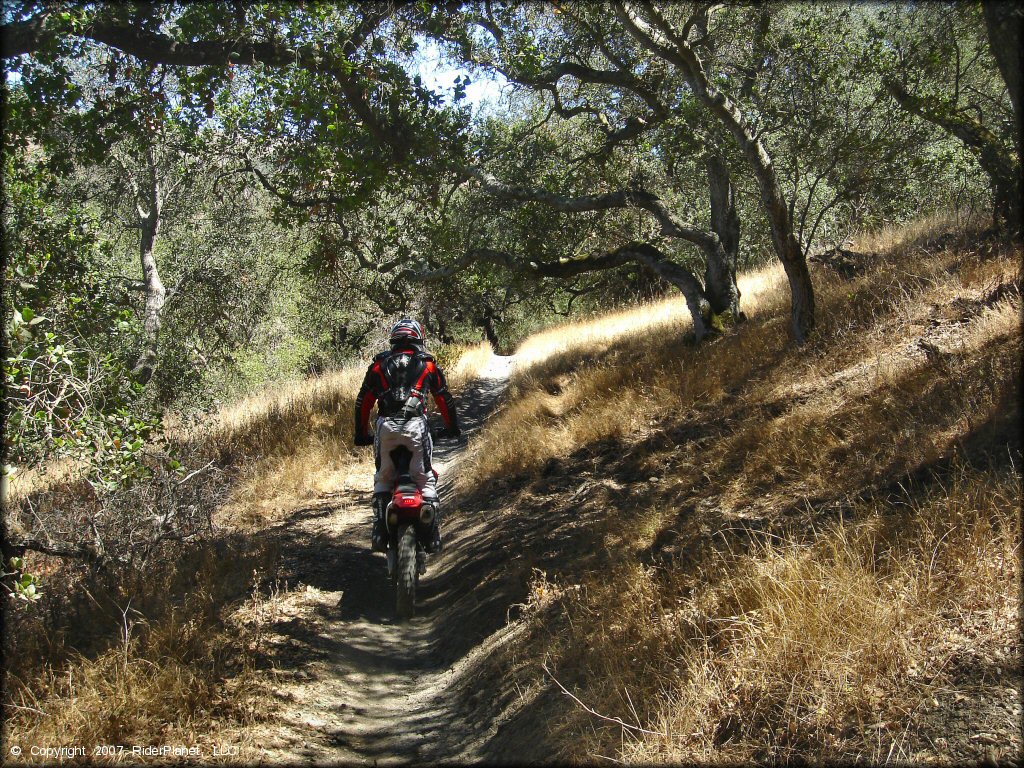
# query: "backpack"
403, 375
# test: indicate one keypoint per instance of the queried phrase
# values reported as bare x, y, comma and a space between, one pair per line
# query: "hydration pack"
404, 374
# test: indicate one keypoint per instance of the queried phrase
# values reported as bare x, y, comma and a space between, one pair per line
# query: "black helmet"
405, 331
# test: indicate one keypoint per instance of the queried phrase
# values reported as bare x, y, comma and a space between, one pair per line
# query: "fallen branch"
595, 713
192, 474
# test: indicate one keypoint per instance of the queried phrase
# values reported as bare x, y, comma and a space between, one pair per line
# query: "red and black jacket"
396, 376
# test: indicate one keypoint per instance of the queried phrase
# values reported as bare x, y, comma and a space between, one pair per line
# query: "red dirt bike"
409, 526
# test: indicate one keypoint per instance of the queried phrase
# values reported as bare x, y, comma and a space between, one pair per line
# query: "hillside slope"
751, 551
741, 551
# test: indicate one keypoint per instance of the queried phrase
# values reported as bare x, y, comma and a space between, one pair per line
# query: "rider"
398, 381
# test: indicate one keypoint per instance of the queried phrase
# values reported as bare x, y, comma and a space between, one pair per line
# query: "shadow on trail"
388, 691
435, 688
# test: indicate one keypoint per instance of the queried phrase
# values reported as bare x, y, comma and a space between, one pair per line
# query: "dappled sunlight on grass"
797, 648
775, 630
594, 334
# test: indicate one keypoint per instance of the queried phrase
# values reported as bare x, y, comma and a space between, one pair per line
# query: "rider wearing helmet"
398, 381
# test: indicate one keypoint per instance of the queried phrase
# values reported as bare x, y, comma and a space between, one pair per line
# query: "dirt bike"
409, 526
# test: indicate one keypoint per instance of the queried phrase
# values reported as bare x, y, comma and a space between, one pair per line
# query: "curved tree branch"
25, 37
622, 198
634, 252
286, 196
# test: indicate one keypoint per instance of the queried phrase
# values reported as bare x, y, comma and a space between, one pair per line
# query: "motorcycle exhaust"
427, 514
392, 514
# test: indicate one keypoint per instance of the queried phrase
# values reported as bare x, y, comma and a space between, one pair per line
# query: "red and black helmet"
406, 330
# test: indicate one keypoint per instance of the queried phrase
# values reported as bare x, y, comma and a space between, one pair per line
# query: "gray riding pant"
414, 435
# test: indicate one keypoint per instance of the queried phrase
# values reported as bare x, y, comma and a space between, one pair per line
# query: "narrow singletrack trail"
355, 685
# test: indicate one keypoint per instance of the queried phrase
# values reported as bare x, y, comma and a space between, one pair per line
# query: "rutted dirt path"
356, 686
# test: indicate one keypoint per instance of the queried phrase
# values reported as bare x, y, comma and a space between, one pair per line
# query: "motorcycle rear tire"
405, 573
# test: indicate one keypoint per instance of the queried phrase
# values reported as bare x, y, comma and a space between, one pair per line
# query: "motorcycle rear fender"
403, 499
408, 509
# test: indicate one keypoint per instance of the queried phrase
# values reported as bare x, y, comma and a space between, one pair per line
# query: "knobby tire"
406, 576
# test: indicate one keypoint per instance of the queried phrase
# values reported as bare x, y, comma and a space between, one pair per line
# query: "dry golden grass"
26, 482
175, 667
463, 363
817, 649
559, 399
286, 445
892, 238
818, 641
298, 439
152, 654
273, 422
617, 376
128, 696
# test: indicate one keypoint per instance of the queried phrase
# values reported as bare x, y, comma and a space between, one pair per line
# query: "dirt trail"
354, 685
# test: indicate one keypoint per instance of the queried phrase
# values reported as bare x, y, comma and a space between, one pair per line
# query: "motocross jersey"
398, 381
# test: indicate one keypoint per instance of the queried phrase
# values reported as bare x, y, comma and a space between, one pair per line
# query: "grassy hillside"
800, 553
745, 550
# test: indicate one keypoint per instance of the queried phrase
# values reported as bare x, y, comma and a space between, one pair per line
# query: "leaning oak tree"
957, 66
619, 137
657, 33
637, 71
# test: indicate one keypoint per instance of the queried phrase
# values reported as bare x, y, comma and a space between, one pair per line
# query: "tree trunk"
148, 207
1004, 22
442, 332
486, 322
682, 279
784, 239
1002, 167
156, 295
720, 274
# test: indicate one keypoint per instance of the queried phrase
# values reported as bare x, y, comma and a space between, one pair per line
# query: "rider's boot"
379, 534
433, 545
